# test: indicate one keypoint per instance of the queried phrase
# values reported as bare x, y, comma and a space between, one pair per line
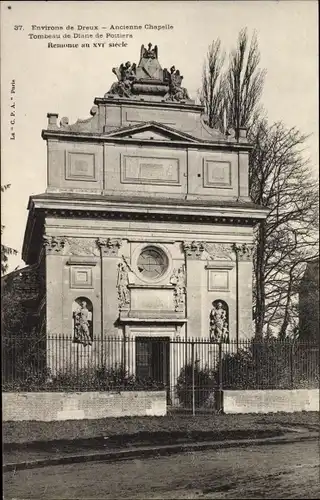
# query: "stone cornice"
157, 217
94, 137
103, 208
148, 211
146, 317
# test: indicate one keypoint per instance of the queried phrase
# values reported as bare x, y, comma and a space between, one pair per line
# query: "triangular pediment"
152, 131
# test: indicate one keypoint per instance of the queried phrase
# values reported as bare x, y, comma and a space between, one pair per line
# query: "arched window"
82, 320
219, 321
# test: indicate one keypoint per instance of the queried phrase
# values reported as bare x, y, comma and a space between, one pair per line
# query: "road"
270, 471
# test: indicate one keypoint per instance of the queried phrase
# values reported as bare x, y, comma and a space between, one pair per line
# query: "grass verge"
30, 431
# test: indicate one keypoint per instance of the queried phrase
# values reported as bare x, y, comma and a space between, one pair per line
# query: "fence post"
291, 366
193, 391
220, 388
77, 360
124, 354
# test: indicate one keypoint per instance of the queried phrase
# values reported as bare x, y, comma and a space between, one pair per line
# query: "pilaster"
109, 255
54, 251
194, 273
244, 278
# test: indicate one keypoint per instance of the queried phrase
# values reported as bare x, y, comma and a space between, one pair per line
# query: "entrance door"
153, 360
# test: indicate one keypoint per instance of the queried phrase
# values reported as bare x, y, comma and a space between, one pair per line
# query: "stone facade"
146, 217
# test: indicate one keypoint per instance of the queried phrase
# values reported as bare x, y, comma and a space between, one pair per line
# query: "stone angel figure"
127, 71
126, 75
176, 91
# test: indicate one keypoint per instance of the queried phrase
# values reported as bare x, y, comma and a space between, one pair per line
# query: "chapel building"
146, 226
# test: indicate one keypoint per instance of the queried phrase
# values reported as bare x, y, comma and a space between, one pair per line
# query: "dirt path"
272, 471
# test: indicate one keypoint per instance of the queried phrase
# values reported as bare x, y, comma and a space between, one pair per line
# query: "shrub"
103, 378
203, 385
29, 381
271, 364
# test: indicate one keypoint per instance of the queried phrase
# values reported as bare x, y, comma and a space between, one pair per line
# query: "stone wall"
270, 401
51, 406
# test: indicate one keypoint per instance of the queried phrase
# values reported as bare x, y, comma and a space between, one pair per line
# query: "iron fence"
192, 371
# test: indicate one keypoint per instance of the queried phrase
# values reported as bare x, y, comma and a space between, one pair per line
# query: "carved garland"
219, 251
82, 246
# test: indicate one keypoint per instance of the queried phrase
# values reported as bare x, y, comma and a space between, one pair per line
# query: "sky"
66, 81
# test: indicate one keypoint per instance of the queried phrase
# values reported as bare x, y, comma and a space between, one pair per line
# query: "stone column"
244, 299
109, 249
194, 300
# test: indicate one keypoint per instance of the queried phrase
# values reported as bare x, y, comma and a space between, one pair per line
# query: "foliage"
308, 308
15, 319
271, 364
5, 250
30, 380
24, 360
103, 378
203, 385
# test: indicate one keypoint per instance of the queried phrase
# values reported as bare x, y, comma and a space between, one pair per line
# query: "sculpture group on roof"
126, 75
176, 91
148, 71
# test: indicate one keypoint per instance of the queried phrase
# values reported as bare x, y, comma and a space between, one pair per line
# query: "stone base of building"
53, 406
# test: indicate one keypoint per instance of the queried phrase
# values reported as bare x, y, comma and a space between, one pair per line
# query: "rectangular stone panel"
80, 166
81, 277
218, 280
217, 174
152, 300
148, 170
143, 115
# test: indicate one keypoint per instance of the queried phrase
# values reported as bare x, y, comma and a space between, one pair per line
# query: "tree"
5, 251
308, 305
23, 347
231, 95
212, 93
279, 179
